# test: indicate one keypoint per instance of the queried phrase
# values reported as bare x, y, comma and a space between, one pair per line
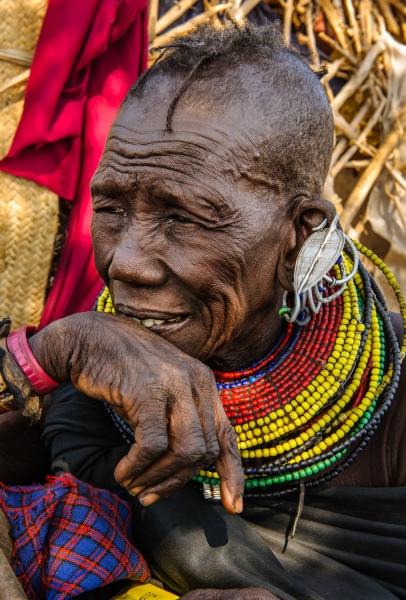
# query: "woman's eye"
113, 210
177, 219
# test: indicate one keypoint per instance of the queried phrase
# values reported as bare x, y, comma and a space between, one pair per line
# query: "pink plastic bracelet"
17, 345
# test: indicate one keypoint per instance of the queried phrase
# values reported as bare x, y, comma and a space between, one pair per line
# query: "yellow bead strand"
392, 282
317, 394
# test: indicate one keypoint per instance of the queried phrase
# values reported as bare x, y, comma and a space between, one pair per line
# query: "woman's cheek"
105, 238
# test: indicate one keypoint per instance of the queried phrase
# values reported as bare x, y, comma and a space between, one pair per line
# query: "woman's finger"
186, 444
225, 455
228, 464
187, 455
152, 443
228, 467
205, 396
150, 494
158, 454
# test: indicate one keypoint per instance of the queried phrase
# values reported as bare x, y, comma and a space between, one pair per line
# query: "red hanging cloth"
88, 55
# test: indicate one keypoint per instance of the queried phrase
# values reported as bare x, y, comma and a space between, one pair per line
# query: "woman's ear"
305, 216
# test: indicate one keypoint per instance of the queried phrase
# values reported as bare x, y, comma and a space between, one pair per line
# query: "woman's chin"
168, 329
186, 335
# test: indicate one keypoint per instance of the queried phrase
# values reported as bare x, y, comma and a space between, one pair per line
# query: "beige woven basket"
28, 212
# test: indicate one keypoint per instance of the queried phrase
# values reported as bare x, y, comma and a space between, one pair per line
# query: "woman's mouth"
153, 320
163, 326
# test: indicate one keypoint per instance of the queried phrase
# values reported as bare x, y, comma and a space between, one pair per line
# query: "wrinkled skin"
184, 226
170, 397
180, 231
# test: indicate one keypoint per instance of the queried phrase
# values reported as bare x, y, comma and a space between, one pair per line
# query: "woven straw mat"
28, 212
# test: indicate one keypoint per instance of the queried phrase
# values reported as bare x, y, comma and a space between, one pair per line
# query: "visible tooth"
151, 322
135, 319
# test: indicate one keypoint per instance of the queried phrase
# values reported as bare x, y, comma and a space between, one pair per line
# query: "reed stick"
359, 76
287, 19
368, 179
185, 28
335, 21
173, 14
153, 7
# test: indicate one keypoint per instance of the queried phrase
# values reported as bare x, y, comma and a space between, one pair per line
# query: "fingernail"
126, 482
149, 499
239, 505
136, 490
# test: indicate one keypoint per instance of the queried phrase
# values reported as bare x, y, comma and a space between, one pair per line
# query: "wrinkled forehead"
195, 121
190, 134
200, 147
216, 133
203, 114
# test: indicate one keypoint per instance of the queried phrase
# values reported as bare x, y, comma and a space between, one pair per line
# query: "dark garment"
23, 457
334, 554
350, 542
82, 439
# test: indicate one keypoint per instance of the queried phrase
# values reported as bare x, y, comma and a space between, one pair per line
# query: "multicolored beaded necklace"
304, 412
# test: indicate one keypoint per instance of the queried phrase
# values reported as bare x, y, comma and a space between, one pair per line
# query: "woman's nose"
136, 262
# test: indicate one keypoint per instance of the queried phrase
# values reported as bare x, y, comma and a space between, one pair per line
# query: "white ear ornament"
317, 256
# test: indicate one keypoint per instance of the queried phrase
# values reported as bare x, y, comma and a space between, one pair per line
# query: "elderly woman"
222, 264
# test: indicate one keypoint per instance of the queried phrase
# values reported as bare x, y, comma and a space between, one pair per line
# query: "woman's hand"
169, 398
236, 594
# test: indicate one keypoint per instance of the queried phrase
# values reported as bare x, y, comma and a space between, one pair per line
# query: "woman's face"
186, 235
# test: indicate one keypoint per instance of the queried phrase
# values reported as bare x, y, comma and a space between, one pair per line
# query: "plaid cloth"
69, 537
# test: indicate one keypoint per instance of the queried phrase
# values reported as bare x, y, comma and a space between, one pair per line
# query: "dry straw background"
28, 212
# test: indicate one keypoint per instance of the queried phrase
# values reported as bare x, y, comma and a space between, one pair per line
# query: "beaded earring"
317, 256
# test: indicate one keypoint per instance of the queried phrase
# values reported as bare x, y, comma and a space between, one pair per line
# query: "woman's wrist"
33, 367
17, 392
18, 347
54, 345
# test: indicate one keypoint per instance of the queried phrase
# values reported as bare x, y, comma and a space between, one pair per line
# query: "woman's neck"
250, 345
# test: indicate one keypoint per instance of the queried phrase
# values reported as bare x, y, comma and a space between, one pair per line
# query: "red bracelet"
17, 345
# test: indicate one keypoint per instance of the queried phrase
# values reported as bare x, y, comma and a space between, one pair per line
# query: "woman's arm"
168, 397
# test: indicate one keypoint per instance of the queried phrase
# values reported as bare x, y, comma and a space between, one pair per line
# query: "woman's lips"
161, 326
153, 320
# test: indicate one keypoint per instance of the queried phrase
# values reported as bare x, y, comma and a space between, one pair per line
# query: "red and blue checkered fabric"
69, 537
